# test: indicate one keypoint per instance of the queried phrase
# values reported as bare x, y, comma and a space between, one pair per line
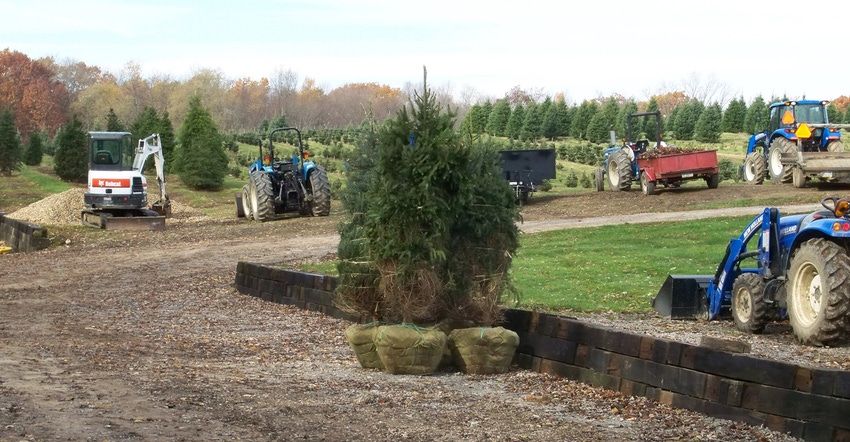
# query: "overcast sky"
583, 49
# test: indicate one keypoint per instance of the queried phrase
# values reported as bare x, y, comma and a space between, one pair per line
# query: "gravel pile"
63, 209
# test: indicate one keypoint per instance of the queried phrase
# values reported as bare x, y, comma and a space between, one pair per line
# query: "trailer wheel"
779, 172
246, 202
835, 146
262, 196
754, 166
749, 310
713, 181
320, 189
599, 176
619, 170
819, 292
648, 187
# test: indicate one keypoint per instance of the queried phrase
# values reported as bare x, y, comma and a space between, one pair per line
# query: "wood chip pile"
64, 209
666, 150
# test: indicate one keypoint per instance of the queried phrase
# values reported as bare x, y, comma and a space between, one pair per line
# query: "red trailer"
657, 166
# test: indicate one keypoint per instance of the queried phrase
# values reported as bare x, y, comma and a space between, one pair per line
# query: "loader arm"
152, 146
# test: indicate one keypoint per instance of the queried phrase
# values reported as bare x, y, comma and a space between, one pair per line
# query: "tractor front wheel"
246, 202
819, 292
262, 196
619, 170
749, 310
754, 166
779, 172
599, 178
320, 189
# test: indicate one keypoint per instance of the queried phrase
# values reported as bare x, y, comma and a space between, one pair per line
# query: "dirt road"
141, 336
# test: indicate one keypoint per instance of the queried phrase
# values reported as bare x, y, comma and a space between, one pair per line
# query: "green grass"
617, 268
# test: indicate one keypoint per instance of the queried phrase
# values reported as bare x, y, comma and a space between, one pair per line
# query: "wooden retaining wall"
805, 402
22, 236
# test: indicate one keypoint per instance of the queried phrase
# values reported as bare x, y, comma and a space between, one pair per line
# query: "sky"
586, 49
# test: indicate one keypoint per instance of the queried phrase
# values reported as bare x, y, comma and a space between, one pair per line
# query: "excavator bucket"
683, 297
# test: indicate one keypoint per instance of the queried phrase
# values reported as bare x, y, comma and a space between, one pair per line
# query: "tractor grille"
137, 185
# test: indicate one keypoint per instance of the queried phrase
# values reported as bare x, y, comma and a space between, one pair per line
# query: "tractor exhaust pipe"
683, 297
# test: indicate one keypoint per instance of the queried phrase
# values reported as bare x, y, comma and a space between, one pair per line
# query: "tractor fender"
308, 168
821, 228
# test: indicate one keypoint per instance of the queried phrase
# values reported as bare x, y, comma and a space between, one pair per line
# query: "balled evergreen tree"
70, 161
10, 144
440, 226
34, 151
201, 162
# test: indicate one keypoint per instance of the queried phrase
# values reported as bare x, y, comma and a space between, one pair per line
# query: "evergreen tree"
70, 161
497, 122
622, 128
201, 162
441, 225
756, 120
553, 120
146, 123
34, 151
708, 127
686, 119
10, 144
649, 122
280, 121
516, 121
733, 118
610, 108
834, 114
582, 118
113, 124
471, 122
167, 138
599, 129
484, 116
570, 113
532, 125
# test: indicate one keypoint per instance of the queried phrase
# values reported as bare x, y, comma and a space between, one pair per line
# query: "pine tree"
34, 151
734, 116
756, 120
440, 217
10, 144
497, 122
833, 113
708, 126
552, 121
582, 118
599, 129
70, 161
622, 128
166, 137
532, 124
649, 122
686, 119
201, 162
113, 124
514, 127
470, 123
484, 116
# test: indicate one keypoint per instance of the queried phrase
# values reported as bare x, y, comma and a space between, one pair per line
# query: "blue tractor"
794, 266
799, 144
278, 186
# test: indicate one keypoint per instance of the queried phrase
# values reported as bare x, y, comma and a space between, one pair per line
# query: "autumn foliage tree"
29, 88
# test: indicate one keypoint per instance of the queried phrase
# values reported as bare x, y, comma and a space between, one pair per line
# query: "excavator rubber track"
123, 220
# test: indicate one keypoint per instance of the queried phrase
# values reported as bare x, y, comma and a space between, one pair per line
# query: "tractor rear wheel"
779, 172
262, 196
320, 189
246, 202
835, 146
754, 166
749, 310
619, 170
819, 292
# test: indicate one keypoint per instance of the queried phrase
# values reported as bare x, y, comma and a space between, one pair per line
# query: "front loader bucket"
683, 297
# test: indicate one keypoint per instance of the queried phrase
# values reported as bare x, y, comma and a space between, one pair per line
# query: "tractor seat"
103, 157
